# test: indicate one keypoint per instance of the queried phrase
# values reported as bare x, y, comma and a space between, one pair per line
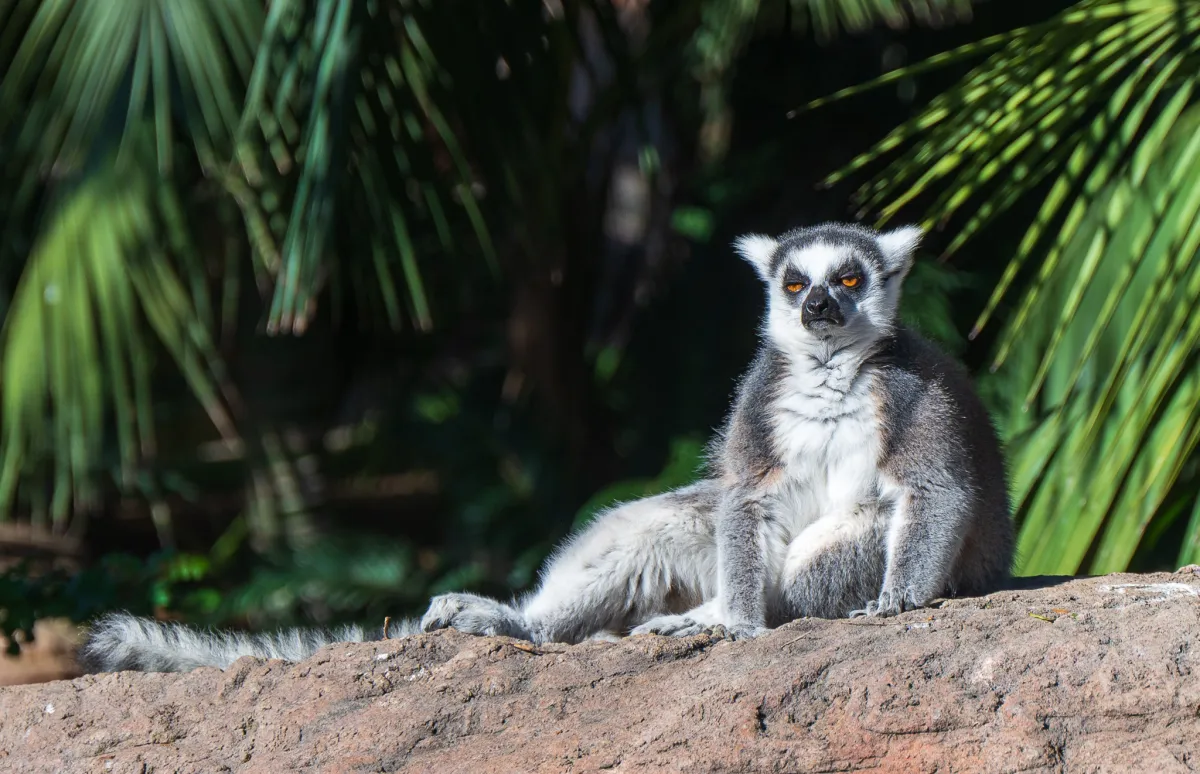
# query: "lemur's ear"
898, 246
757, 250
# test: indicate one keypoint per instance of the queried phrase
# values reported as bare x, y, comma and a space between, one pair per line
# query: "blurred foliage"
313, 308
141, 585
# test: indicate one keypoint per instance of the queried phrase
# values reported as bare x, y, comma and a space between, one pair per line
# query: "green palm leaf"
347, 131
101, 104
78, 72
827, 16
72, 344
1096, 389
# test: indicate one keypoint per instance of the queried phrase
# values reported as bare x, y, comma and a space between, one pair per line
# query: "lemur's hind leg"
744, 559
835, 566
651, 556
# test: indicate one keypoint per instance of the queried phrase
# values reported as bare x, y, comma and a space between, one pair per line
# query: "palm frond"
104, 109
828, 17
1120, 396
354, 124
72, 344
1096, 387
80, 72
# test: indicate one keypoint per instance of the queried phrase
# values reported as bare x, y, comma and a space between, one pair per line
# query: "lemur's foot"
671, 626
474, 614
891, 602
686, 626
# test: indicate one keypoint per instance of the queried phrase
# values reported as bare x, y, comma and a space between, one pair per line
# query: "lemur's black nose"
820, 310
817, 302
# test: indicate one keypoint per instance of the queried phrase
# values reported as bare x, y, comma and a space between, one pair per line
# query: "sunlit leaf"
74, 342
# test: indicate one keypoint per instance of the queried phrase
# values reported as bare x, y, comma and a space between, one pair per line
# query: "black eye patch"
850, 274
795, 280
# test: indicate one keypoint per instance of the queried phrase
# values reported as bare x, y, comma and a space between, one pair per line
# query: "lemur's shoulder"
928, 406
907, 351
909, 366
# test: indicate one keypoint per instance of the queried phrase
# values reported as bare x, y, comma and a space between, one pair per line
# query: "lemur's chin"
822, 325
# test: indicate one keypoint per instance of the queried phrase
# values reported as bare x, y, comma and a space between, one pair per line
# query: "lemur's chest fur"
826, 437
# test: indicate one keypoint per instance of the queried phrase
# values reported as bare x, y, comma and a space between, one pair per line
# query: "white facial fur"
871, 313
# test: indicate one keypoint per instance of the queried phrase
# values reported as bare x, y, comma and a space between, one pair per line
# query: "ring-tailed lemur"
857, 474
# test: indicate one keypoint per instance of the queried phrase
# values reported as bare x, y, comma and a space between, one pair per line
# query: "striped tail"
120, 641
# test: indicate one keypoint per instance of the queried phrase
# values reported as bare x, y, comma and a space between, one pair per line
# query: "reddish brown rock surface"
1091, 675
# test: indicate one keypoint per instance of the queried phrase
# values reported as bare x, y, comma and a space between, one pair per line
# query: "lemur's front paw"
670, 626
891, 602
473, 615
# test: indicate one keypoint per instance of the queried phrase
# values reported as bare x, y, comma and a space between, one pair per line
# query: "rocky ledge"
1079, 675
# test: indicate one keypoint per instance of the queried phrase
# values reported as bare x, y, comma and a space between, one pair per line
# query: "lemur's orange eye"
794, 287
850, 281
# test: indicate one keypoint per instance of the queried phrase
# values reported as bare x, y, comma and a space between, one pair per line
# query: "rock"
1087, 675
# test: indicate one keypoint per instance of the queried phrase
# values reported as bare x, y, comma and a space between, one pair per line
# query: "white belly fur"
827, 437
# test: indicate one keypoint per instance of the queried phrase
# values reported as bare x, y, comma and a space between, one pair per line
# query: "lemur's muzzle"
821, 310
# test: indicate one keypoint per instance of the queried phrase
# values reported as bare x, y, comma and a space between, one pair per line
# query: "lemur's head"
833, 284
